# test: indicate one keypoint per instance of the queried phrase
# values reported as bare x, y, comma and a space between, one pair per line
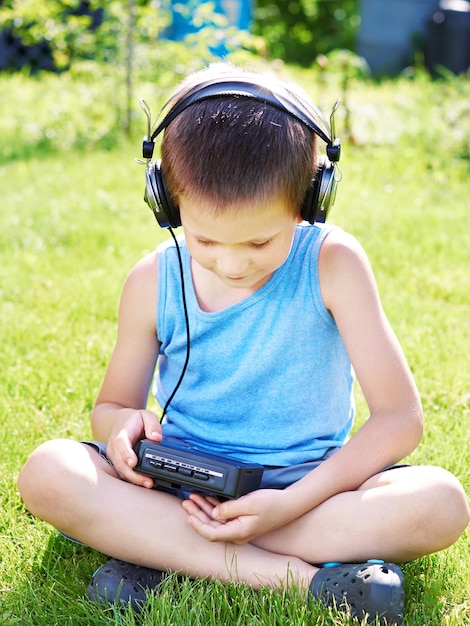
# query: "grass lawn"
72, 223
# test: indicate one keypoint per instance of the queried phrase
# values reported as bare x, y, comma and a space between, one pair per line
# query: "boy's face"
242, 247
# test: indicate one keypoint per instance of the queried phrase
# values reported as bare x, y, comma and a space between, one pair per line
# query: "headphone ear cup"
321, 194
159, 198
309, 207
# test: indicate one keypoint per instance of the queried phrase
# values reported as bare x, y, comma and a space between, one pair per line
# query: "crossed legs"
395, 516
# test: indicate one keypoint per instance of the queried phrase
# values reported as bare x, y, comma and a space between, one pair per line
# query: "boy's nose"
232, 264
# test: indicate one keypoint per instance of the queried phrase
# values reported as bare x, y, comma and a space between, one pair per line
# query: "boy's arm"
120, 417
395, 424
392, 431
350, 293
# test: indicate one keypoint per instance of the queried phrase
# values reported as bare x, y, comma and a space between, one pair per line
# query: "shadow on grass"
53, 590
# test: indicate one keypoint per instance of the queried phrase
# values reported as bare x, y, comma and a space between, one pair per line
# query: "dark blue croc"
373, 589
120, 583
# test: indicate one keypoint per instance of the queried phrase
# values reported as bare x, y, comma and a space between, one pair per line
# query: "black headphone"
321, 194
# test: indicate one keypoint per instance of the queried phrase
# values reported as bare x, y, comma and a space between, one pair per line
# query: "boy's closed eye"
251, 244
261, 244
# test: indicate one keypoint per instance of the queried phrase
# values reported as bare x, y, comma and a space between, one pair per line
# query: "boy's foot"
118, 582
374, 589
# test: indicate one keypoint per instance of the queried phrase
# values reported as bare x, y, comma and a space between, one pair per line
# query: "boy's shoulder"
143, 272
339, 242
343, 265
332, 239
137, 308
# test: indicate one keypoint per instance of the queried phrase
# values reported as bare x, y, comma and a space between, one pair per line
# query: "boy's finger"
206, 504
210, 530
152, 426
231, 509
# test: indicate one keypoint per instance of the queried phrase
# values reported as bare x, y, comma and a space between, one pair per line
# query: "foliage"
67, 25
83, 29
101, 30
298, 30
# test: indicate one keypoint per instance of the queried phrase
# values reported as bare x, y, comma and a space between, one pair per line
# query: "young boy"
278, 313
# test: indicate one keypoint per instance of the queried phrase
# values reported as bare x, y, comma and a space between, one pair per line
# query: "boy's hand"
129, 427
242, 520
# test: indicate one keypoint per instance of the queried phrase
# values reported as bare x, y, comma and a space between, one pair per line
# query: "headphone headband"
255, 88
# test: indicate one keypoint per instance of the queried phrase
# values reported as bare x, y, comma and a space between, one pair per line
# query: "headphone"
321, 193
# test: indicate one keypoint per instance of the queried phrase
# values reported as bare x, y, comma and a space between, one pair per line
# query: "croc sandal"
118, 582
374, 589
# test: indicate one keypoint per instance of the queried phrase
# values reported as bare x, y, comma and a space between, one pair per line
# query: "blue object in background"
388, 32
238, 14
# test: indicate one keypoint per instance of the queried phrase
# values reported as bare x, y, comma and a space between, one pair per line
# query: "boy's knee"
449, 512
38, 480
454, 503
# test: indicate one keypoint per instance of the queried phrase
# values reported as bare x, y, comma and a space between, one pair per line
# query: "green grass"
72, 223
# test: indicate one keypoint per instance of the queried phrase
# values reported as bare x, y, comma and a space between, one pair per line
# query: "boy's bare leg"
397, 516
70, 486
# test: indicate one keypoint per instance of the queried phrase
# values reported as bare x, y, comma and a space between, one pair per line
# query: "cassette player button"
201, 476
170, 468
155, 463
185, 471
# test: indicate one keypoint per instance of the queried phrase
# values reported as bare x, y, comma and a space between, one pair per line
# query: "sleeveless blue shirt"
268, 379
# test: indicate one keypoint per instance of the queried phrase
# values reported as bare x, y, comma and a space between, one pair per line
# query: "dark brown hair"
229, 150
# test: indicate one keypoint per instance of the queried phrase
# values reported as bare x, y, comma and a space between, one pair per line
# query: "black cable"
186, 319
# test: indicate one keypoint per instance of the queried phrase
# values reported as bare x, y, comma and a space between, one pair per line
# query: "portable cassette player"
176, 464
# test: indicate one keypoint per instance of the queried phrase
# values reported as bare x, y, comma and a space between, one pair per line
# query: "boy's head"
224, 147
228, 150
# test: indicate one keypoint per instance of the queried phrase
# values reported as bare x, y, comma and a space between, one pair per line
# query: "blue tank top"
268, 379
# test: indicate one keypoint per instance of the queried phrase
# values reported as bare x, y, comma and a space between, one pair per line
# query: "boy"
277, 313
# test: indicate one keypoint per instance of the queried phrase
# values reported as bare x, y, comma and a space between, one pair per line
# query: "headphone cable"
186, 319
